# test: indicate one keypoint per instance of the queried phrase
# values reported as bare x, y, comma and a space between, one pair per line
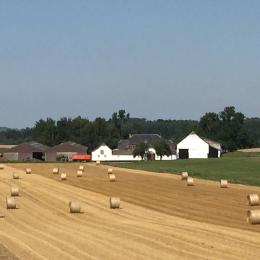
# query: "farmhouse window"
102, 152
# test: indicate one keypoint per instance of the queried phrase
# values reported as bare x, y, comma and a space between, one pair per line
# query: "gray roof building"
26, 152
126, 146
65, 150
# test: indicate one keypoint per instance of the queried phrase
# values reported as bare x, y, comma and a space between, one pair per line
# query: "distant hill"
2, 129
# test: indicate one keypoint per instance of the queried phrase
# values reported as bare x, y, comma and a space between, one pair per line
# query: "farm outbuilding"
4, 148
64, 151
194, 146
26, 152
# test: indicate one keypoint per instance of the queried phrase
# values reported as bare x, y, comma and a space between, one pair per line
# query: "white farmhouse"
125, 149
194, 146
104, 153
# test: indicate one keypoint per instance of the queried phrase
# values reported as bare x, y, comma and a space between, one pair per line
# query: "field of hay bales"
159, 216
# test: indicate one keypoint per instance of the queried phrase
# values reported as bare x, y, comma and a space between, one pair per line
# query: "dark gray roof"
122, 152
68, 147
30, 147
123, 144
146, 138
39, 146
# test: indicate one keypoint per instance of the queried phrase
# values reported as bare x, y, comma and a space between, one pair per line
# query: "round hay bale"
223, 183
112, 177
15, 176
74, 207
184, 175
63, 176
55, 170
2, 166
114, 203
79, 173
253, 216
28, 171
14, 191
97, 162
81, 167
190, 181
109, 170
253, 199
10, 203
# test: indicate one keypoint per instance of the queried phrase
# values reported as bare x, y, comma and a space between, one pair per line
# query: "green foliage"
162, 148
252, 126
227, 127
140, 150
15, 136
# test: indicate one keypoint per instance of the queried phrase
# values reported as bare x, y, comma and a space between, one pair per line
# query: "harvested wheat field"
160, 217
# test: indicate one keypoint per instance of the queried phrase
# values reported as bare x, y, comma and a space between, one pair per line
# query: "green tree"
140, 150
231, 125
162, 148
227, 127
210, 125
45, 131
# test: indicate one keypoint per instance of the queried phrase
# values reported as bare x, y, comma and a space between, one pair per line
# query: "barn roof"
30, 147
5, 147
211, 143
67, 147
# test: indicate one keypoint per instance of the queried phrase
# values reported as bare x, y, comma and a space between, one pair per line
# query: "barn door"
183, 153
213, 153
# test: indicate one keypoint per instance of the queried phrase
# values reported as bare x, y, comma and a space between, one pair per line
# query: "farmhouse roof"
146, 138
29, 147
123, 144
138, 138
122, 152
67, 147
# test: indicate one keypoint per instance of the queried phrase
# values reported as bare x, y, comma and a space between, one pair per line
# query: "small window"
102, 152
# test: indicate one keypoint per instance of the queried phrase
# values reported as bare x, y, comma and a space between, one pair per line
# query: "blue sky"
156, 59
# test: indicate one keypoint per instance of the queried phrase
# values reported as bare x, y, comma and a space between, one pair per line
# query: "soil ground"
160, 217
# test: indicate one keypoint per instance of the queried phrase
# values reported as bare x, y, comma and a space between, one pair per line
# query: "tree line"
231, 128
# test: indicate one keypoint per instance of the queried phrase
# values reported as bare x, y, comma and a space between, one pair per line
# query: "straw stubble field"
160, 217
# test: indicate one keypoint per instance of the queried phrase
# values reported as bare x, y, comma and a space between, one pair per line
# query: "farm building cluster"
192, 146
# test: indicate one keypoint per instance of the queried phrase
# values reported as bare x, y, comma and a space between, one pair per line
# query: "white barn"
194, 146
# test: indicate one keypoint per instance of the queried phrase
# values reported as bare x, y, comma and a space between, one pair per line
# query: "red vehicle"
81, 157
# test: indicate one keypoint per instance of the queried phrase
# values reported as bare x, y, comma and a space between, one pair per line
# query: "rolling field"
160, 217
